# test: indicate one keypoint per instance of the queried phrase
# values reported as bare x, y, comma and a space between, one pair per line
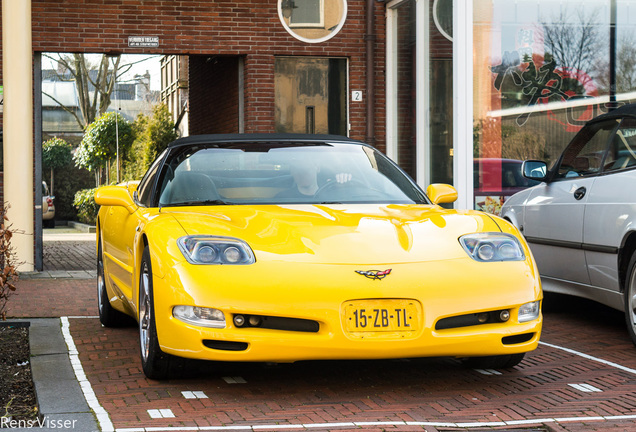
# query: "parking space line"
589, 357
587, 388
103, 419
234, 380
194, 395
362, 425
488, 372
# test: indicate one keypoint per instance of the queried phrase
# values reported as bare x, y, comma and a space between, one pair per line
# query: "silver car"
580, 221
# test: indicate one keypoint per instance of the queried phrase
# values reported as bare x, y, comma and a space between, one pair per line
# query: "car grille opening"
225, 345
276, 323
517, 339
473, 319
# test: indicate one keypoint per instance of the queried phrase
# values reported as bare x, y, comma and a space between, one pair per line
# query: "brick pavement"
69, 255
436, 394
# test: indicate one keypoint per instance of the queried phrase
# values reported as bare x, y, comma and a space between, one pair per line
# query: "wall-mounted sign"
356, 96
143, 41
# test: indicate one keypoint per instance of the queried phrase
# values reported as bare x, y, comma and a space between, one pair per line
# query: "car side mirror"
115, 196
534, 170
441, 193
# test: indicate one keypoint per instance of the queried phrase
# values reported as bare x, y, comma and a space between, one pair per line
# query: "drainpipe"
370, 71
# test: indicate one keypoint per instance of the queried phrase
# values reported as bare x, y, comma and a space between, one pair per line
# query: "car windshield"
283, 173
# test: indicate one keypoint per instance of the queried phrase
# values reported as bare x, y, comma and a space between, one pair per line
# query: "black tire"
49, 223
108, 315
494, 362
155, 363
630, 299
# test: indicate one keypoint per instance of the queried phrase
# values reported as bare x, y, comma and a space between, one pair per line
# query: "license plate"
381, 315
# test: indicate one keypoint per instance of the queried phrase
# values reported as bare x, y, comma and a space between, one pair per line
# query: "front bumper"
320, 293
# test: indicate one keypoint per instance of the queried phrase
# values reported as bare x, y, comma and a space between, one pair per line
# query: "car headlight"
488, 247
529, 311
215, 250
200, 316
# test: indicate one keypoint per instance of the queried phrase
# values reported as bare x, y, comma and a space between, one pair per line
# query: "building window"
541, 70
312, 21
310, 94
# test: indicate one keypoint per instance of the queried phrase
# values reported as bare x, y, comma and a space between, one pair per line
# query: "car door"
611, 208
555, 210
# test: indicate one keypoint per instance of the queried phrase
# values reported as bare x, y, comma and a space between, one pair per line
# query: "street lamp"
287, 7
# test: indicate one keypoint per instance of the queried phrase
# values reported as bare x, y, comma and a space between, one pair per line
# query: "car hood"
338, 234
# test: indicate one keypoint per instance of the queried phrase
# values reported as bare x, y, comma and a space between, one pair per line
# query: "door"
611, 208
311, 95
555, 211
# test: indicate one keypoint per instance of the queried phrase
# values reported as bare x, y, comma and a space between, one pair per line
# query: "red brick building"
323, 66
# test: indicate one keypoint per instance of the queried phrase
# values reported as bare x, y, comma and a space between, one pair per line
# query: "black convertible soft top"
628, 110
259, 137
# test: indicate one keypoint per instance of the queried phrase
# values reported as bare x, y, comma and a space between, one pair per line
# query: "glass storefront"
541, 69
419, 89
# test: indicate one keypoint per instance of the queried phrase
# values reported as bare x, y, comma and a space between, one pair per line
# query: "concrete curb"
60, 398
82, 227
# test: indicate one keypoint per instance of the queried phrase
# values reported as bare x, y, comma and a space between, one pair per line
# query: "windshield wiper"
197, 203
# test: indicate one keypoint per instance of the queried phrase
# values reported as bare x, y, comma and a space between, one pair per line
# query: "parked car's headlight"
200, 316
215, 250
529, 311
487, 247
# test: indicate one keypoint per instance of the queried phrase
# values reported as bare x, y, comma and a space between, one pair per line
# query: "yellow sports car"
281, 248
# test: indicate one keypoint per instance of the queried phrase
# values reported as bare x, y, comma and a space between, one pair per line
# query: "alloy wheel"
144, 312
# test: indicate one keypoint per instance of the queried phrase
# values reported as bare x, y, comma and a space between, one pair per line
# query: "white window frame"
422, 77
463, 103
462, 96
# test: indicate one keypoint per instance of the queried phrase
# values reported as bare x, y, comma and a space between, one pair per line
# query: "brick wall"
249, 28
214, 95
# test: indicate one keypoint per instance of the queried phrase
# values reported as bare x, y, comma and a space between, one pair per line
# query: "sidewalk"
66, 287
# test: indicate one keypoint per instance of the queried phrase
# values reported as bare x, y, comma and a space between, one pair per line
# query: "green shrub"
86, 206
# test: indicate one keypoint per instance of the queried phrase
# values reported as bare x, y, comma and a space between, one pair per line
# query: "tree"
574, 43
95, 82
625, 66
100, 143
152, 136
56, 154
161, 132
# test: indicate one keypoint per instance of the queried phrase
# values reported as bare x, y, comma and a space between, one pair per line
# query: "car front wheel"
155, 363
630, 299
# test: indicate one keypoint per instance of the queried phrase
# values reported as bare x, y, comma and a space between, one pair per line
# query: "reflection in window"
307, 13
541, 71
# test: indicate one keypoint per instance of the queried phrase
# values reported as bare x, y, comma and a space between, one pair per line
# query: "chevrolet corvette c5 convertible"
282, 248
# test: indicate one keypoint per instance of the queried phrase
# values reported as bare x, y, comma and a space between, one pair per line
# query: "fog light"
199, 316
239, 320
482, 317
255, 321
529, 311
504, 315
